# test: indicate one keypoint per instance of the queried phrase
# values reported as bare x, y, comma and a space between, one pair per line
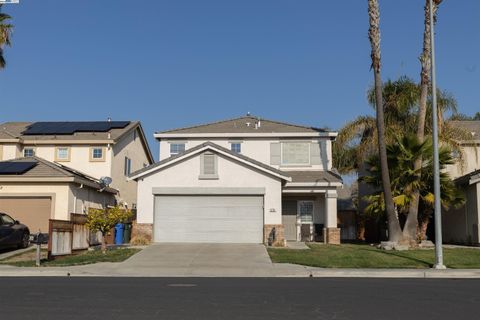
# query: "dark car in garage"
13, 233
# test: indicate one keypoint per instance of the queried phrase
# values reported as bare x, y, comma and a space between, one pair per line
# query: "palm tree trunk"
394, 230
411, 225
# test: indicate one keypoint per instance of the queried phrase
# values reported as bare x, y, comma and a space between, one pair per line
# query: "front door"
305, 211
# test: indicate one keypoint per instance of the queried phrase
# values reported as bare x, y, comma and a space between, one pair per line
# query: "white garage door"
224, 219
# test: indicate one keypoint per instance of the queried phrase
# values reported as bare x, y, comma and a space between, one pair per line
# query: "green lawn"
365, 256
87, 257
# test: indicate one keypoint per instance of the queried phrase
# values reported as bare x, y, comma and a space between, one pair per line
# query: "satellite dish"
106, 181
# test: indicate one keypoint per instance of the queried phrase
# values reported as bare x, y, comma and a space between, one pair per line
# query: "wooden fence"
68, 236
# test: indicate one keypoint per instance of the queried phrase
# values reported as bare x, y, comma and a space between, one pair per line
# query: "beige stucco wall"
64, 196
79, 159
231, 175
256, 148
130, 146
471, 162
60, 201
10, 151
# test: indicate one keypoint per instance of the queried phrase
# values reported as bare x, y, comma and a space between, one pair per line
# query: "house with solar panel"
49, 170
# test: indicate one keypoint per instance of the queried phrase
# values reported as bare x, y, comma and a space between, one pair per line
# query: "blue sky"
182, 62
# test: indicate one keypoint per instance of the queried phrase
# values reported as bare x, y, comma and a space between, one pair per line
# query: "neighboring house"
99, 149
245, 180
462, 225
347, 211
34, 190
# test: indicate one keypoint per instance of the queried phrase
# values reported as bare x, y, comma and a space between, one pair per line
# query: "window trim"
57, 159
203, 175
296, 164
32, 148
127, 163
236, 143
102, 159
177, 143
299, 202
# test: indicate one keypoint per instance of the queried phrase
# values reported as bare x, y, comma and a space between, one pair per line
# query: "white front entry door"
209, 219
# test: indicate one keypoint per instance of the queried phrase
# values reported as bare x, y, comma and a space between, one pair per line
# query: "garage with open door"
208, 218
32, 211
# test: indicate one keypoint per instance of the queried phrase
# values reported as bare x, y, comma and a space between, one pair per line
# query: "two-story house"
462, 225
245, 180
64, 155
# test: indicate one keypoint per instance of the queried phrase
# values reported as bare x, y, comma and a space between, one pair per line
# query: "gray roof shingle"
47, 169
472, 126
314, 176
245, 124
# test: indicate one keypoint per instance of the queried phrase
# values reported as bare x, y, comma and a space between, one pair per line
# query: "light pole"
436, 162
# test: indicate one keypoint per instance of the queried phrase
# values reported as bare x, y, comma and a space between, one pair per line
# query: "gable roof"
245, 125
49, 171
15, 132
214, 147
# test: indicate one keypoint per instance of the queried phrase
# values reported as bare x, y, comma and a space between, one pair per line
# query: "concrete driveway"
193, 259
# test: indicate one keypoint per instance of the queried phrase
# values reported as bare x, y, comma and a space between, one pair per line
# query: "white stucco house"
244, 180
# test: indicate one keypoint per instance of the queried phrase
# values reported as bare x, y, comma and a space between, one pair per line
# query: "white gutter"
245, 135
313, 184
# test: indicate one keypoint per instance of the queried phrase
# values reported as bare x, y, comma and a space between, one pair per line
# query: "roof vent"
473, 133
248, 124
248, 114
109, 119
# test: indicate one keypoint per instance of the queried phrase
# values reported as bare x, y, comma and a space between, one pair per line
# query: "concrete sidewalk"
107, 269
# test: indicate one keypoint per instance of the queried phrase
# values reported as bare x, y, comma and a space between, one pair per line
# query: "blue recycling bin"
119, 227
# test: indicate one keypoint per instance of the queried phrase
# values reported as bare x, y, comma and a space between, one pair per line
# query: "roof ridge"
242, 117
203, 124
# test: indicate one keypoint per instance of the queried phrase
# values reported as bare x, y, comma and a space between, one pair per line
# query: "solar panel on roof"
16, 167
66, 128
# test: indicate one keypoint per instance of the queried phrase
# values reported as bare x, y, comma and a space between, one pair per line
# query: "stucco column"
331, 232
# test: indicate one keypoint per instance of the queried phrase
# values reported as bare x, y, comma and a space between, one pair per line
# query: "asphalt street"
237, 298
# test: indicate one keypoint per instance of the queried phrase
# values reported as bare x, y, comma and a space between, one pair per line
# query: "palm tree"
402, 155
394, 229
5, 34
410, 229
357, 140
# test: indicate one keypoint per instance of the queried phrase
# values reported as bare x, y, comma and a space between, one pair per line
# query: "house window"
305, 210
236, 147
128, 166
208, 166
295, 153
62, 154
29, 152
97, 154
176, 148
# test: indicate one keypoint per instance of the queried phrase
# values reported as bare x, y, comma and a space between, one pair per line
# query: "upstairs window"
128, 166
29, 152
295, 153
176, 148
62, 154
97, 154
236, 147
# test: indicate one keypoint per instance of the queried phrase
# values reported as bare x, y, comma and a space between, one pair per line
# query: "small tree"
104, 220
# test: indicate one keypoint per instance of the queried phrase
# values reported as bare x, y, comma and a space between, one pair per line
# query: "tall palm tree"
402, 155
5, 34
357, 140
395, 232
411, 225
